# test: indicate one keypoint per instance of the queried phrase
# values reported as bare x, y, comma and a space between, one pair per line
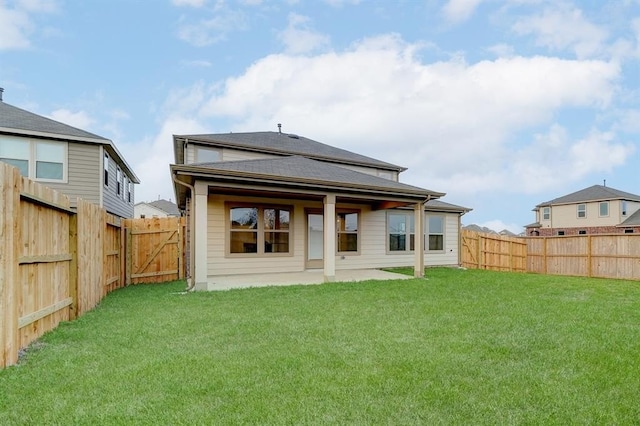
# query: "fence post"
73, 266
10, 186
589, 267
129, 255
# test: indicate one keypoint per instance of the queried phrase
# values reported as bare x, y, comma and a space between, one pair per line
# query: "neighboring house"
273, 202
158, 208
595, 210
72, 161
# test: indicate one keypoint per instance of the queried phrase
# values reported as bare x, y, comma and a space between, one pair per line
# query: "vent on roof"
279, 128
292, 136
1, 90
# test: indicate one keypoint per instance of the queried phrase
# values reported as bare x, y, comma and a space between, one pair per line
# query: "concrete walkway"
311, 276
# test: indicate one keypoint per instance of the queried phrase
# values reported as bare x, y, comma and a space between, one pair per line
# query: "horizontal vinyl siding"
229, 154
112, 202
83, 174
451, 244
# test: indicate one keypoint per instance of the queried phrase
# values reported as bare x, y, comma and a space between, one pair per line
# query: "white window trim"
31, 171
600, 209
427, 232
407, 232
578, 211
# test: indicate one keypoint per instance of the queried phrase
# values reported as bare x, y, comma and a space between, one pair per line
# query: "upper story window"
623, 207
207, 155
604, 209
38, 160
436, 233
546, 213
118, 181
401, 230
106, 169
582, 210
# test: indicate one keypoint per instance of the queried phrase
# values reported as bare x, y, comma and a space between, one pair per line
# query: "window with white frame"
604, 209
546, 213
106, 168
38, 160
436, 232
347, 227
16, 153
582, 210
130, 194
623, 207
118, 181
401, 231
259, 229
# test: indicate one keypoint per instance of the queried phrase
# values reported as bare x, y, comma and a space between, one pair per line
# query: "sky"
501, 105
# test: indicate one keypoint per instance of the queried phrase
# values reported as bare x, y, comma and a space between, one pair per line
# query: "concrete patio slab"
311, 276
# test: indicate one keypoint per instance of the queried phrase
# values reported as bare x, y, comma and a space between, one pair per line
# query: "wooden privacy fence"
493, 252
155, 249
57, 263
603, 256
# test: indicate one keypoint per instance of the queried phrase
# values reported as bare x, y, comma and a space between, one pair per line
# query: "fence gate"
155, 249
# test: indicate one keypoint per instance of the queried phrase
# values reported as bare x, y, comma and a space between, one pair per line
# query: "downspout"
192, 245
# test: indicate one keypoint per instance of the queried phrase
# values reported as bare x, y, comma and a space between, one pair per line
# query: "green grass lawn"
461, 347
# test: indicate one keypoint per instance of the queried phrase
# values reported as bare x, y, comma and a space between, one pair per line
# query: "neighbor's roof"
14, 120
166, 206
441, 206
593, 193
633, 220
297, 170
281, 144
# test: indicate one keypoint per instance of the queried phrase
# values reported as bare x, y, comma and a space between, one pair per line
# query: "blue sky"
500, 104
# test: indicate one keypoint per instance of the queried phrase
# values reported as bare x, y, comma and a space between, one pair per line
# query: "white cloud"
459, 10
564, 27
79, 119
299, 38
16, 23
211, 31
191, 3
598, 153
456, 125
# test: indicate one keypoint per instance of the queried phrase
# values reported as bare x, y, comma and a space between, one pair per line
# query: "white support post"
329, 238
200, 234
418, 267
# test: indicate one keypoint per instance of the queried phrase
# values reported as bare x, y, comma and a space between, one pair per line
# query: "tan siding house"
272, 202
595, 210
72, 161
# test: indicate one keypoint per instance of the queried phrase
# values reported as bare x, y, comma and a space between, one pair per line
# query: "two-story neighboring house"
595, 210
267, 202
72, 161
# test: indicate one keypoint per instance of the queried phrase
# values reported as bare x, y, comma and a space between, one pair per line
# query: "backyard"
459, 347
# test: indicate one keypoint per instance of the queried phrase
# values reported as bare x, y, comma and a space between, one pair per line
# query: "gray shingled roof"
633, 220
438, 205
15, 118
593, 193
18, 121
287, 144
166, 206
297, 168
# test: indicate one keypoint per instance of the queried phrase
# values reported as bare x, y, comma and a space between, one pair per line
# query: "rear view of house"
70, 160
267, 202
597, 209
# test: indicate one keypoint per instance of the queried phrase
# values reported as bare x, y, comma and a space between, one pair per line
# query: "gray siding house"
271, 202
70, 160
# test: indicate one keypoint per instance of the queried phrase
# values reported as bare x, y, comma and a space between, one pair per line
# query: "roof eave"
198, 172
